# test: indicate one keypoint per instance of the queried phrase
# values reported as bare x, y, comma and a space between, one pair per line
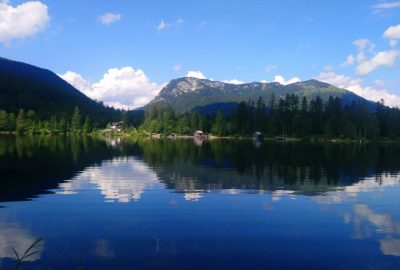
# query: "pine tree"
20, 122
194, 121
87, 126
183, 125
219, 127
53, 124
124, 119
76, 120
3, 120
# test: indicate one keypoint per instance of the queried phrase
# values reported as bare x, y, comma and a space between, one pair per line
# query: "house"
258, 136
117, 126
172, 136
198, 134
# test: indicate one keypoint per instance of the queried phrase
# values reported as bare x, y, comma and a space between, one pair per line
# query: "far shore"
208, 137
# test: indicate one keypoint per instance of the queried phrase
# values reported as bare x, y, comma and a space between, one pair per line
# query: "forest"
28, 122
289, 116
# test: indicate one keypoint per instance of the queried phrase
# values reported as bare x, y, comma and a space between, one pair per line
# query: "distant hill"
33, 88
206, 96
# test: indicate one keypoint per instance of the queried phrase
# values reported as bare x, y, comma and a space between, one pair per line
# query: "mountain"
187, 93
33, 88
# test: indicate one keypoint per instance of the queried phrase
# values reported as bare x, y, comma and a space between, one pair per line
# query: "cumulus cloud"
234, 81
120, 87
196, 74
384, 58
22, 21
280, 79
393, 34
355, 86
368, 59
110, 18
165, 25
77, 81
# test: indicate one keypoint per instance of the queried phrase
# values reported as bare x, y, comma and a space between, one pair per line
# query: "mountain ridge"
187, 93
25, 86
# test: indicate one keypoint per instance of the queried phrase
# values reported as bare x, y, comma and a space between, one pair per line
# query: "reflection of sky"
126, 179
367, 222
121, 179
13, 236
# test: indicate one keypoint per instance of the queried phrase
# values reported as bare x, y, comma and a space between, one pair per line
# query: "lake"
162, 204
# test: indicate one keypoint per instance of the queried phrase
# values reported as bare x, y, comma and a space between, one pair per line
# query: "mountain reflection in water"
304, 187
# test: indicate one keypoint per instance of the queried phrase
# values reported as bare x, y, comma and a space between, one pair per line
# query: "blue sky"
147, 43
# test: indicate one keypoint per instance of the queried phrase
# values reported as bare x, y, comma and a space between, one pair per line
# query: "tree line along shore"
288, 117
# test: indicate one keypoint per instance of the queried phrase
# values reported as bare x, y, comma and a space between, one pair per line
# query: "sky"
123, 52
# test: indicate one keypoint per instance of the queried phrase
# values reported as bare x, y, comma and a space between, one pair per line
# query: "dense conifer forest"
284, 117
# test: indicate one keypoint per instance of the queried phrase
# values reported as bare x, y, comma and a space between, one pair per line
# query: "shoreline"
145, 135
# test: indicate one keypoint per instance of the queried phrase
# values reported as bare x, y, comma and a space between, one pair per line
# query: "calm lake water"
142, 204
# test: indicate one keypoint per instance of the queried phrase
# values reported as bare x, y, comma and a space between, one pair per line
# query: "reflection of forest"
33, 165
307, 168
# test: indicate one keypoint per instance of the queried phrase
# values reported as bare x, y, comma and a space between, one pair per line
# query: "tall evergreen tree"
19, 128
76, 120
219, 127
3, 120
87, 125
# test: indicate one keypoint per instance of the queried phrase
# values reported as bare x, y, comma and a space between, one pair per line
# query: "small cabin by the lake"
198, 134
258, 136
117, 126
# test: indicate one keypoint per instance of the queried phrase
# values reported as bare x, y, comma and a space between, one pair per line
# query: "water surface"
143, 204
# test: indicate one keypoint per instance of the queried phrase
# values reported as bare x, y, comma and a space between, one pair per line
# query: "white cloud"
196, 74
280, 79
384, 58
77, 81
264, 81
22, 21
361, 43
110, 18
234, 81
387, 5
270, 68
368, 59
355, 86
393, 34
349, 61
164, 25
120, 87
177, 68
